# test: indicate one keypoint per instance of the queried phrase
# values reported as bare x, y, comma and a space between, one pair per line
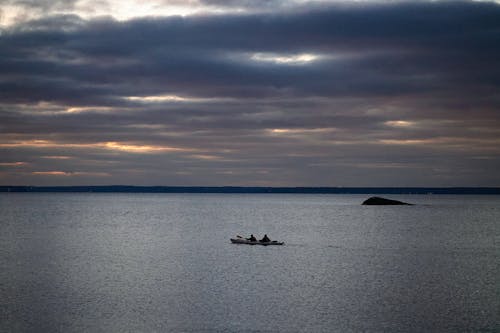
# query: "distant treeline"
232, 189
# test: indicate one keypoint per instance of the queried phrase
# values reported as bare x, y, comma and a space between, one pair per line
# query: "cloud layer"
325, 94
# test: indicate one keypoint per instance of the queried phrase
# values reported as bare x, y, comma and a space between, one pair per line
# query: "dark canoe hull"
244, 241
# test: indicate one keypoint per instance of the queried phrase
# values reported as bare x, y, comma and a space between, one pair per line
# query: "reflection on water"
163, 262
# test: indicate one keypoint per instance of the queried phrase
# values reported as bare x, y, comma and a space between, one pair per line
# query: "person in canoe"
265, 239
252, 238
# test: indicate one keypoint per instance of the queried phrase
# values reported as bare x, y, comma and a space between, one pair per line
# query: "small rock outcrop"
383, 201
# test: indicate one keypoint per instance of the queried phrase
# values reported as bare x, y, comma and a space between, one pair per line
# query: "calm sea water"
163, 262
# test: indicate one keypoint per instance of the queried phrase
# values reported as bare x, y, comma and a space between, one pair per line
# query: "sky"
250, 93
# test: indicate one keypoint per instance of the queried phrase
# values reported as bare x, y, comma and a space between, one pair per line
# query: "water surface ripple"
163, 262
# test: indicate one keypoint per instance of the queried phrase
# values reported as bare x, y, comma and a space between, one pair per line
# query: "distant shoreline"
244, 189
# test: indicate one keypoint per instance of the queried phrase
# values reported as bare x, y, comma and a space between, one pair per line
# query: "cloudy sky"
250, 92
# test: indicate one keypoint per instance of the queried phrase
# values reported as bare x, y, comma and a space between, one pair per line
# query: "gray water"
164, 262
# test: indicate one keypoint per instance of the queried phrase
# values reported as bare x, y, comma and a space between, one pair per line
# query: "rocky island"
383, 201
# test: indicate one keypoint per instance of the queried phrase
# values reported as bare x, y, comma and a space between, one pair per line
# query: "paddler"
252, 238
265, 239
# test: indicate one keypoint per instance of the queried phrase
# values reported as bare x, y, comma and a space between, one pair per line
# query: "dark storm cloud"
433, 45
432, 66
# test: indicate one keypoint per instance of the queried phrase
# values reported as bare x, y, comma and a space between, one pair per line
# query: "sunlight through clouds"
15, 12
399, 123
89, 109
140, 148
285, 131
57, 157
125, 10
169, 98
280, 59
70, 174
111, 145
13, 164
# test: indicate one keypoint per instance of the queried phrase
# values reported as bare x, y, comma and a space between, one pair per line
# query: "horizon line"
255, 189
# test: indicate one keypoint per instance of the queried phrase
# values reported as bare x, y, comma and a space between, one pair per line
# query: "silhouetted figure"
252, 238
265, 239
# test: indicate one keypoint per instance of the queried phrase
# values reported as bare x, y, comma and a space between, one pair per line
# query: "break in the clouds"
271, 93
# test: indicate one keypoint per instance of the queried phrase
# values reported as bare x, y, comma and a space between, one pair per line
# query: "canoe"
245, 241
